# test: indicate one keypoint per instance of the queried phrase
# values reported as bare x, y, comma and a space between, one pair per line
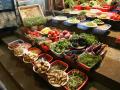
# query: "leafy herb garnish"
75, 79
89, 59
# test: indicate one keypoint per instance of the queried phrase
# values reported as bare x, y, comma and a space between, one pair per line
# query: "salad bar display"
82, 49
55, 72
69, 45
103, 11
61, 57
94, 21
65, 49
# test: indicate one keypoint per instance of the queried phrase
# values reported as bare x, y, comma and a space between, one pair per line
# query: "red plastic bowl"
77, 7
46, 56
61, 63
87, 68
83, 74
105, 9
83, 7
81, 65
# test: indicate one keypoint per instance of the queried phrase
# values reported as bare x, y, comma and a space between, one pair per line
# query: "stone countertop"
111, 64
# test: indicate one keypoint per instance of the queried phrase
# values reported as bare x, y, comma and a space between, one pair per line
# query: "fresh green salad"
98, 21
75, 79
60, 46
90, 39
89, 59
91, 24
83, 39
73, 20
77, 42
74, 37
